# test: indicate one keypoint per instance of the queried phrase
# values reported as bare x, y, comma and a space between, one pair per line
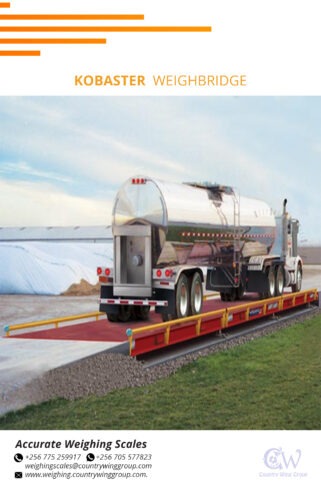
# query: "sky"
62, 159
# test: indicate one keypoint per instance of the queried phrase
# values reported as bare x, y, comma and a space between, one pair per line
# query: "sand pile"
83, 288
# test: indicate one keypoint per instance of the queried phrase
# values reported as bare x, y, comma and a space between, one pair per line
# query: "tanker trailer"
172, 240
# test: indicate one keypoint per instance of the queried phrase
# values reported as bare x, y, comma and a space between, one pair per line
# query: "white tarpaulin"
49, 268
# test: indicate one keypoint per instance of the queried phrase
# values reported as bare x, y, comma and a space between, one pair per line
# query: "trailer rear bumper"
163, 300
121, 301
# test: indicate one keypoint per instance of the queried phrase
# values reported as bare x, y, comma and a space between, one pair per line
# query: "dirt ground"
15, 309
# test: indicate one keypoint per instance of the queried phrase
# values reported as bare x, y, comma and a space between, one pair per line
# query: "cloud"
84, 148
22, 168
40, 204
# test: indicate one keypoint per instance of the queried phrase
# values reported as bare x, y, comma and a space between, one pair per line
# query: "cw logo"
275, 458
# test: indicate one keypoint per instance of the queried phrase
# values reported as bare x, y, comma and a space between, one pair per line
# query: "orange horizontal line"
92, 17
19, 53
106, 29
4, 5
53, 41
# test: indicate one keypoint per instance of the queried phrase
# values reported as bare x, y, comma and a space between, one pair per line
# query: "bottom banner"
139, 460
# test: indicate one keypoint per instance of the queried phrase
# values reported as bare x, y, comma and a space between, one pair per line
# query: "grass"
269, 383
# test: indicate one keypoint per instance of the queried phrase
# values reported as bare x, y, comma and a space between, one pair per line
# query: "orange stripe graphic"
134, 29
53, 41
19, 53
75, 28
61, 17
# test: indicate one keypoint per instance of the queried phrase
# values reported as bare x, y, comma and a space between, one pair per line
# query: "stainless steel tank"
191, 223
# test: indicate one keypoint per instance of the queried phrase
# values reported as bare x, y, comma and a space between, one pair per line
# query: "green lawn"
269, 383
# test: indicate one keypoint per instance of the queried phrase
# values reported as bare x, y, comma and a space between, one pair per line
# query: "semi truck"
173, 241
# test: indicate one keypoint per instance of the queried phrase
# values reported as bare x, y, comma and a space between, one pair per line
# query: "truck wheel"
271, 282
182, 297
297, 286
279, 280
196, 294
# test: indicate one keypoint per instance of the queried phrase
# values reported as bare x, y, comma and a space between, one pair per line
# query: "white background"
184, 460
276, 43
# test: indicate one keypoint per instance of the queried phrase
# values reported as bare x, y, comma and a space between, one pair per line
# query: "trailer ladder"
220, 213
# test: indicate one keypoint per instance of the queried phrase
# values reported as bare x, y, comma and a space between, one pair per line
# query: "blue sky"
62, 159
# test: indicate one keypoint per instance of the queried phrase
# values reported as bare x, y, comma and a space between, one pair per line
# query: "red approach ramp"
98, 331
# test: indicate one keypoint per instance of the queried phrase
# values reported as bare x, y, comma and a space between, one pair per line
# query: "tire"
279, 280
223, 296
239, 292
112, 317
271, 282
141, 312
166, 317
298, 285
125, 313
262, 296
196, 295
182, 297
232, 295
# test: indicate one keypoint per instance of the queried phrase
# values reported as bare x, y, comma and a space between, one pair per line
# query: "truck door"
132, 261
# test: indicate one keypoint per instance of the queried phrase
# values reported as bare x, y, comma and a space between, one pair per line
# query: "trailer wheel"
297, 286
239, 291
196, 294
182, 297
112, 317
223, 296
279, 280
125, 312
141, 312
232, 295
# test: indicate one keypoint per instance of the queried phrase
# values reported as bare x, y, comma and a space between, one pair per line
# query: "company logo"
255, 311
275, 458
21, 29
279, 463
271, 306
